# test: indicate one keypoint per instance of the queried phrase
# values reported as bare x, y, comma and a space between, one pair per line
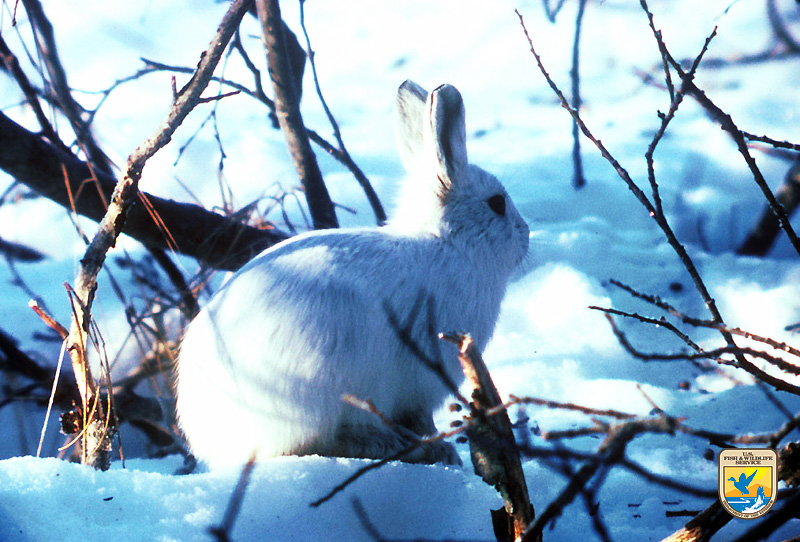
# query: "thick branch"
287, 108
702, 527
763, 236
494, 451
215, 240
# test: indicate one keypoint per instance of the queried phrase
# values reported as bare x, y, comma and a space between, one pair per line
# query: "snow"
548, 343
146, 502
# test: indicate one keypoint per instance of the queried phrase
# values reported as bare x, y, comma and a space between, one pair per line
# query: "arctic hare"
265, 364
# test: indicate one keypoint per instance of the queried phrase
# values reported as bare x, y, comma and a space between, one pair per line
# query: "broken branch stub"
494, 451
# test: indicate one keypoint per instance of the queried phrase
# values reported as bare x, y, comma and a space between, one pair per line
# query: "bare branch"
222, 532
676, 98
493, 448
287, 108
696, 322
610, 452
654, 321
779, 28
51, 322
702, 527
46, 44
218, 241
18, 252
763, 236
9, 62
726, 123
738, 352
772, 142
786, 511
124, 195
659, 218
339, 154
568, 406
578, 180
367, 468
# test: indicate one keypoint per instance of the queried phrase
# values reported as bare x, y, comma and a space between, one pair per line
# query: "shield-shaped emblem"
748, 481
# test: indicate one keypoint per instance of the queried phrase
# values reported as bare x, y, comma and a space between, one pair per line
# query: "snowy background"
548, 343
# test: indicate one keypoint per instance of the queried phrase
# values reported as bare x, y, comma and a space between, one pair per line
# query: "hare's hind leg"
380, 441
366, 441
421, 423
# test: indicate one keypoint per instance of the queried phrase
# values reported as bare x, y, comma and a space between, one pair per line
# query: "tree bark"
287, 109
493, 449
702, 527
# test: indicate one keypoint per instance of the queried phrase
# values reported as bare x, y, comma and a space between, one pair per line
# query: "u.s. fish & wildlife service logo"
748, 481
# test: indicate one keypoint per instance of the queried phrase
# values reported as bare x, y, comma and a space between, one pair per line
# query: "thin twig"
697, 322
772, 142
676, 98
11, 64
514, 400
578, 180
610, 452
51, 322
366, 523
738, 351
660, 322
46, 44
369, 407
222, 532
376, 465
258, 94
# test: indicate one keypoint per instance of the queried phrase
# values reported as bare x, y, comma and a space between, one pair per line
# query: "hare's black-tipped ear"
446, 135
409, 116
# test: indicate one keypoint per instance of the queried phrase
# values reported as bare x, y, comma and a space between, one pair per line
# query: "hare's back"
323, 283
357, 278
353, 260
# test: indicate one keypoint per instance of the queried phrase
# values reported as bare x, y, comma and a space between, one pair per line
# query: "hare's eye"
497, 203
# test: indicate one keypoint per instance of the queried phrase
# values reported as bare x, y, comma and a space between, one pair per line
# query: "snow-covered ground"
548, 344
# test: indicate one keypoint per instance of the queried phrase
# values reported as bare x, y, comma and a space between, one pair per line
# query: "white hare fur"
264, 366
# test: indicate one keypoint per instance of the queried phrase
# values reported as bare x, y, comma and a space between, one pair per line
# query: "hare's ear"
409, 116
446, 135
